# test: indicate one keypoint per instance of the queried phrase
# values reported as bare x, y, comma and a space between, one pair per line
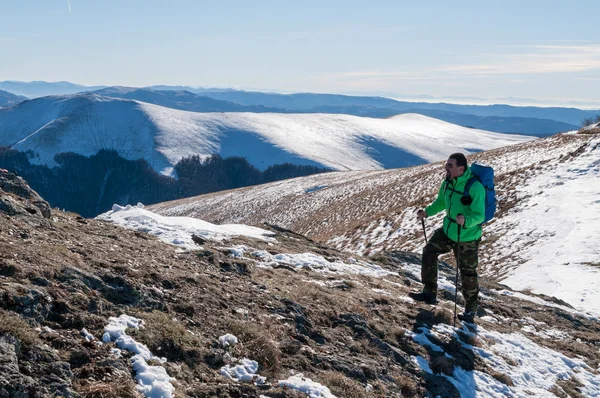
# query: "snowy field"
555, 232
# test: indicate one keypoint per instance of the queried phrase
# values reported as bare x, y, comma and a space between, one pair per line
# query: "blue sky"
543, 50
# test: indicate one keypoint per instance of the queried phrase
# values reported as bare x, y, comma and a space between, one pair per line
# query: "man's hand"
421, 215
460, 220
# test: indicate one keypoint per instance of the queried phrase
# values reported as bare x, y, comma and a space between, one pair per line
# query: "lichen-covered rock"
17, 197
32, 372
12, 382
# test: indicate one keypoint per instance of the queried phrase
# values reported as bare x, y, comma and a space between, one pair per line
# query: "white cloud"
522, 60
534, 60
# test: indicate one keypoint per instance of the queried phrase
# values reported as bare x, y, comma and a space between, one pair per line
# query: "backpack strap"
468, 186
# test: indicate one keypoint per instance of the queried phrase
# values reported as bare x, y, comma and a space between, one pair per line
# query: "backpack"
485, 175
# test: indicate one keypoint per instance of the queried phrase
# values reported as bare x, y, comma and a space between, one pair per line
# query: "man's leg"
469, 259
438, 244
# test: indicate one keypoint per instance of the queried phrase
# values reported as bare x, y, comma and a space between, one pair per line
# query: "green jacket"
448, 199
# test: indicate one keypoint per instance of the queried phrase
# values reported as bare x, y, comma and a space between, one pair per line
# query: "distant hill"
199, 102
9, 99
511, 125
529, 120
312, 102
37, 89
182, 100
87, 123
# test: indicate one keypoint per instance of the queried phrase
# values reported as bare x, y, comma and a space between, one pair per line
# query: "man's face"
452, 170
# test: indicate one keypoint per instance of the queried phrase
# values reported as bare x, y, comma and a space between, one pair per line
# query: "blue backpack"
485, 175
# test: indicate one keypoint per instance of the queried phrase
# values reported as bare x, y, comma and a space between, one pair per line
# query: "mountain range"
206, 101
499, 118
87, 123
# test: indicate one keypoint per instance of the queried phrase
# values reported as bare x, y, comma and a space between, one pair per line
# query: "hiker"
466, 213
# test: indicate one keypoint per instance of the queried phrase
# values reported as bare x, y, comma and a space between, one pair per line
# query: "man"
466, 213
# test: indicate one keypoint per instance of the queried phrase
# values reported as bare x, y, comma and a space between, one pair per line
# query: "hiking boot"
467, 316
426, 297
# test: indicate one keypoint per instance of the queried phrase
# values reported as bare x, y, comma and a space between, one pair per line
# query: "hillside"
84, 124
517, 125
10, 99
182, 100
548, 209
37, 89
92, 309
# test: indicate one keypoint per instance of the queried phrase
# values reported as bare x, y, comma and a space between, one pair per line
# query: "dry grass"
256, 343
121, 387
264, 351
569, 388
309, 293
442, 315
164, 336
510, 361
379, 328
589, 131
342, 386
364, 346
13, 325
442, 364
469, 338
398, 333
409, 387
502, 378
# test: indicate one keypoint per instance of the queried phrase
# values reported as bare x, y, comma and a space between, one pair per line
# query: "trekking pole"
424, 231
456, 280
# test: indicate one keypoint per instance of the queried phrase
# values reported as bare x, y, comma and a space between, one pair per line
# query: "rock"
17, 197
12, 382
29, 301
41, 372
198, 240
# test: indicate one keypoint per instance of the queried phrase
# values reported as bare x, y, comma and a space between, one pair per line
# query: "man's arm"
476, 214
438, 204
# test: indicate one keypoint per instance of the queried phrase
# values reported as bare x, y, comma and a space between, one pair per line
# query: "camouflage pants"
468, 260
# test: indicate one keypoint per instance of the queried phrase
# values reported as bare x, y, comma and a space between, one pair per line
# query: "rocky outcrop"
35, 372
12, 382
591, 129
17, 197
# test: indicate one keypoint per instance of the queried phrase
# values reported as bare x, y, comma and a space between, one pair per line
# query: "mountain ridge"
309, 101
10, 99
87, 123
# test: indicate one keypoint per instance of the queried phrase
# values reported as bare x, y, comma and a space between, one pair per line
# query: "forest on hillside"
91, 185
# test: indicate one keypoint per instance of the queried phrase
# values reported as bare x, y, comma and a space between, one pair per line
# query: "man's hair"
461, 160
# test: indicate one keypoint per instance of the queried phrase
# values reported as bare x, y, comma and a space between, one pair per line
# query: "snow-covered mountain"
9, 99
182, 100
37, 89
544, 237
86, 123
